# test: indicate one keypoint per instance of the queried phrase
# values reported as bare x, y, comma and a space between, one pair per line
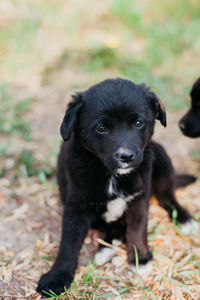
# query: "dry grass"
31, 222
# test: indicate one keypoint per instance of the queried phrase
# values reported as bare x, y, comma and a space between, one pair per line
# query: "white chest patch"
115, 209
117, 206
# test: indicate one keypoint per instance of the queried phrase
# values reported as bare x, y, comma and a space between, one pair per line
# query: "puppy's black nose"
125, 157
182, 125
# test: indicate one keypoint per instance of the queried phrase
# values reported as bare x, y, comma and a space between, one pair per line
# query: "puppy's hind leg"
163, 186
164, 192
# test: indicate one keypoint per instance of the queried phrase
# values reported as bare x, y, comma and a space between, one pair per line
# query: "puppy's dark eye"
139, 124
101, 129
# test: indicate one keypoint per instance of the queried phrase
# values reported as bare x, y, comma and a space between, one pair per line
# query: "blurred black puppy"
190, 122
106, 173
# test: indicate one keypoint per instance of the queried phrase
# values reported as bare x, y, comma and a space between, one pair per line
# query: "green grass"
12, 121
27, 165
122, 286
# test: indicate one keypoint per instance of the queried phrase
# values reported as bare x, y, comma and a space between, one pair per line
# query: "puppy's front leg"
74, 229
136, 232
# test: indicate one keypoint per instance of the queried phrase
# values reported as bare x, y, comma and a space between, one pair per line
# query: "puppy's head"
114, 120
190, 122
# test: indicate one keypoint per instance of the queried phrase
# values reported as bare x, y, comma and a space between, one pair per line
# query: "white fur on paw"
143, 270
118, 261
190, 227
104, 255
116, 242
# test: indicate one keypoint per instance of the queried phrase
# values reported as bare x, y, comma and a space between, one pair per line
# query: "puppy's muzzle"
125, 156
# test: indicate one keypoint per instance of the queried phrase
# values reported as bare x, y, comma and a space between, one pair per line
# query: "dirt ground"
30, 215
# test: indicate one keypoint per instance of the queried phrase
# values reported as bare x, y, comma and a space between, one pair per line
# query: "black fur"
183, 180
190, 122
110, 125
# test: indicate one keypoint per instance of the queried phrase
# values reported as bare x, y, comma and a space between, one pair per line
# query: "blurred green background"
68, 45
44, 41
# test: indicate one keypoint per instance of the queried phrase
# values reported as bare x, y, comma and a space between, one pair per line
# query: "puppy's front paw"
142, 259
53, 281
145, 264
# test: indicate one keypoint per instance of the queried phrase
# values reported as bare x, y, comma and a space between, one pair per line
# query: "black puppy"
190, 122
106, 173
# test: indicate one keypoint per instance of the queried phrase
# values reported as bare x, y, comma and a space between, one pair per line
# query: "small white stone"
190, 227
118, 298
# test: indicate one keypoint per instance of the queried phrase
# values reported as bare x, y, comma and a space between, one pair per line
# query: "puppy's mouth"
124, 169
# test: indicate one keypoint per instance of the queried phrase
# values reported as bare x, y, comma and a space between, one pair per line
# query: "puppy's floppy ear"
160, 109
70, 118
